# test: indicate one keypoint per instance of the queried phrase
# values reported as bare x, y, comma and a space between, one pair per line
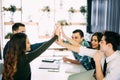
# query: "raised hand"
57, 29
98, 56
58, 32
63, 34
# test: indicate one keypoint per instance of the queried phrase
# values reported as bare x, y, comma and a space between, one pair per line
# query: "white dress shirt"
90, 52
113, 67
87, 51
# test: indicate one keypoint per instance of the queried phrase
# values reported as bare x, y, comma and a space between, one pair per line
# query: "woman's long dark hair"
99, 37
17, 46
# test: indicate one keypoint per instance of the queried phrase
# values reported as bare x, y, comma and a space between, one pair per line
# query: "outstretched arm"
79, 49
65, 59
97, 58
42, 48
68, 46
36, 45
69, 39
76, 48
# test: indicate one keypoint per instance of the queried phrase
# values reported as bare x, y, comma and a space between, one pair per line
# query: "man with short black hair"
109, 46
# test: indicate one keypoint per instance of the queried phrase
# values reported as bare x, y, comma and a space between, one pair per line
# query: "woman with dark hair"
95, 39
16, 64
88, 61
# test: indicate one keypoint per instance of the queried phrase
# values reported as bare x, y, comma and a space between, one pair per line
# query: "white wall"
0, 38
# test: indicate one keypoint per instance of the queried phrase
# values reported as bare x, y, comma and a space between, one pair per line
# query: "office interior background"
40, 17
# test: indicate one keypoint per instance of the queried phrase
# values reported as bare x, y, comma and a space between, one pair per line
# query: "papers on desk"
47, 65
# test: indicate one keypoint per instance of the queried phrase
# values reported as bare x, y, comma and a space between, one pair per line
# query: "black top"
33, 47
23, 66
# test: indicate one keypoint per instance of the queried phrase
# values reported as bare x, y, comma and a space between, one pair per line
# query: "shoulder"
85, 43
118, 54
115, 58
6, 45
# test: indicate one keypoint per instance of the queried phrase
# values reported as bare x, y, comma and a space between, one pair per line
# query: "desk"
38, 74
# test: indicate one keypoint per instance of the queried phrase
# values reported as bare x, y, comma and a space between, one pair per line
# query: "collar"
113, 56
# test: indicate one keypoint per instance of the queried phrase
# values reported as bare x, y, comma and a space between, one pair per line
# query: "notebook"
48, 60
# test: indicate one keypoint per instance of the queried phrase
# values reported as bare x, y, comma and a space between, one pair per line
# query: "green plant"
83, 10
63, 22
46, 9
12, 8
72, 10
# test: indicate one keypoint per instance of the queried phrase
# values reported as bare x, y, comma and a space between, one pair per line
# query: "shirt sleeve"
33, 54
86, 51
35, 46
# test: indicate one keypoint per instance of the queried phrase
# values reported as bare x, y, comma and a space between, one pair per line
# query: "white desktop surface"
45, 74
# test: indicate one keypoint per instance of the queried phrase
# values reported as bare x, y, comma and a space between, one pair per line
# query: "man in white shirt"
109, 45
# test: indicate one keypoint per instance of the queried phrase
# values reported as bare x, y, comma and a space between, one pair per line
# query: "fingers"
63, 34
58, 25
57, 29
58, 32
65, 59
